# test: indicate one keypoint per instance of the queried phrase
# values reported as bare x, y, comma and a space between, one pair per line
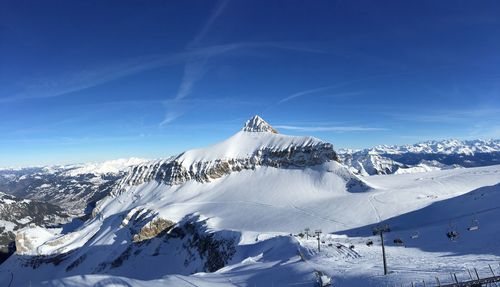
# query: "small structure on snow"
398, 242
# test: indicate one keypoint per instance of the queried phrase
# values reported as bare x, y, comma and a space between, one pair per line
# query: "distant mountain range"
73, 187
421, 157
55, 194
235, 202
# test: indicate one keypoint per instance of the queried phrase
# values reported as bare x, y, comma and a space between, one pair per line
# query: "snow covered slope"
247, 233
231, 214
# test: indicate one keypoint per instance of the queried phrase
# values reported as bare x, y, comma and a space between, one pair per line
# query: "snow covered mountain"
17, 213
258, 144
184, 208
420, 157
369, 163
451, 146
75, 188
235, 213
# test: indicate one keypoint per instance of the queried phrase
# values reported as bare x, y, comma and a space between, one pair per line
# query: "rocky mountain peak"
257, 124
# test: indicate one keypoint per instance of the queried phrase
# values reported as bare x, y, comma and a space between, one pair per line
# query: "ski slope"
264, 214
242, 227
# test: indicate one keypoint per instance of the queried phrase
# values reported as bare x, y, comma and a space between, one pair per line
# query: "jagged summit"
257, 124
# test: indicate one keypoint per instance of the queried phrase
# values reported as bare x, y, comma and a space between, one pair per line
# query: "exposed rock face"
212, 248
23, 243
145, 224
173, 172
153, 229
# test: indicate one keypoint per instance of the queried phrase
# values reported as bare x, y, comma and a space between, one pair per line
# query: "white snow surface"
106, 167
267, 202
263, 210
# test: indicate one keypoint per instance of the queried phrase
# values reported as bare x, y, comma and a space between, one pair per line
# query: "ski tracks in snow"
312, 214
370, 198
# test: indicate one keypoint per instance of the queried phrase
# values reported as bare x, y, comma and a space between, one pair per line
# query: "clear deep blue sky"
95, 80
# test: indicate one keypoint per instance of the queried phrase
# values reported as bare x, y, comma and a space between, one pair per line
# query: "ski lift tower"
306, 230
318, 232
379, 230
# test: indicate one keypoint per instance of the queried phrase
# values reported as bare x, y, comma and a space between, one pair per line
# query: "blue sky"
95, 80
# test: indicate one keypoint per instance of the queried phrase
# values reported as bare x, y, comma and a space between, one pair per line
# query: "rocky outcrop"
154, 228
23, 243
145, 224
173, 172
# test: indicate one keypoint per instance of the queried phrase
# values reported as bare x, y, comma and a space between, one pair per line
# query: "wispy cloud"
193, 71
75, 81
336, 86
330, 128
196, 66
305, 93
171, 115
208, 25
88, 78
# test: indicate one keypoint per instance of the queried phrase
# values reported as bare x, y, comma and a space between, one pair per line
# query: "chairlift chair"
452, 233
398, 242
474, 224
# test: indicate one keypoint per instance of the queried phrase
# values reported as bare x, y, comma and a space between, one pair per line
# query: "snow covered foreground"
232, 227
